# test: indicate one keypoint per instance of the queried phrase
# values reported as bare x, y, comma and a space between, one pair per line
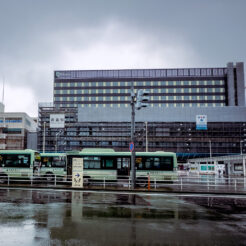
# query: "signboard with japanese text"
201, 122
57, 120
77, 172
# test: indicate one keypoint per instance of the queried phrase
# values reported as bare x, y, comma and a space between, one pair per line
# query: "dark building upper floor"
166, 130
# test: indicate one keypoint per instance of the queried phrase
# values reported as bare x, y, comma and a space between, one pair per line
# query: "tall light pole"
146, 128
44, 138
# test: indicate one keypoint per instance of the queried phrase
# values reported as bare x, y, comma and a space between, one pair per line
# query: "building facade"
16, 130
96, 106
190, 87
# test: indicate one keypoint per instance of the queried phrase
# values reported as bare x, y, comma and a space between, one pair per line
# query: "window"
12, 130
238, 167
139, 163
155, 163
55, 161
203, 168
15, 160
13, 120
92, 162
108, 163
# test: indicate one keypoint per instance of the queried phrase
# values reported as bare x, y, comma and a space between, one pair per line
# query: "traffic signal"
142, 99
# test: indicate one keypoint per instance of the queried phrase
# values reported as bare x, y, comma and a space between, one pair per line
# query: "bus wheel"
49, 177
86, 180
142, 181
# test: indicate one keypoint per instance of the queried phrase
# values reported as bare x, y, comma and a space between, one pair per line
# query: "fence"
198, 183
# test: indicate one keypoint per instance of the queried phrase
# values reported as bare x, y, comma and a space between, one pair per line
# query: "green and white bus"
53, 165
18, 163
107, 164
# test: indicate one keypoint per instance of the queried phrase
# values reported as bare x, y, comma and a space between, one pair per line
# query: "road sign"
131, 146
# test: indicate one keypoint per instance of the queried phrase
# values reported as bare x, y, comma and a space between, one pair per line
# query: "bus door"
123, 166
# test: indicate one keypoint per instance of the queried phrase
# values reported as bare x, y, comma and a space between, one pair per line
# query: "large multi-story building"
190, 87
96, 105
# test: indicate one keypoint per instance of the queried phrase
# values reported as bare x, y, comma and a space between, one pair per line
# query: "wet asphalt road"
57, 217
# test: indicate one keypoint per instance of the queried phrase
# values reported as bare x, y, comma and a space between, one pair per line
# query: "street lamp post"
44, 138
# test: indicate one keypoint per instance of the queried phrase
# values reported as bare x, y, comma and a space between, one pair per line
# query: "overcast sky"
38, 37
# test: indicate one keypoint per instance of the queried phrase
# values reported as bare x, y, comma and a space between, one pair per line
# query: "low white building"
228, 165
16, 129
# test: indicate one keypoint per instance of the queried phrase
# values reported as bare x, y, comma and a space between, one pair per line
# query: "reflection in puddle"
91, 218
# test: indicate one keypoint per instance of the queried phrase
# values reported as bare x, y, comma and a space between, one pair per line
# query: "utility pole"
210, 148
133, 171
139, 102
44, 138
56, 142
146, 129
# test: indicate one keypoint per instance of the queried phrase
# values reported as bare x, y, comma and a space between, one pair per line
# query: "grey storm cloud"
37, 37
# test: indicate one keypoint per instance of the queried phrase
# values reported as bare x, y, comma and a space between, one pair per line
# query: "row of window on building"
10, 120
158, 105
153, 90
140, 73
152, 98
140, 83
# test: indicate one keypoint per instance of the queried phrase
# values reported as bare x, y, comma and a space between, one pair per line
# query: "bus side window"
44, 161
96, 162
149, 163
16, 160
1, 161
58, 162
91, 162
139, 163
167, 163
109, 163
156, 163
86, 164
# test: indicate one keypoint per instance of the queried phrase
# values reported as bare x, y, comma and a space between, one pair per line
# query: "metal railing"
198, 183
